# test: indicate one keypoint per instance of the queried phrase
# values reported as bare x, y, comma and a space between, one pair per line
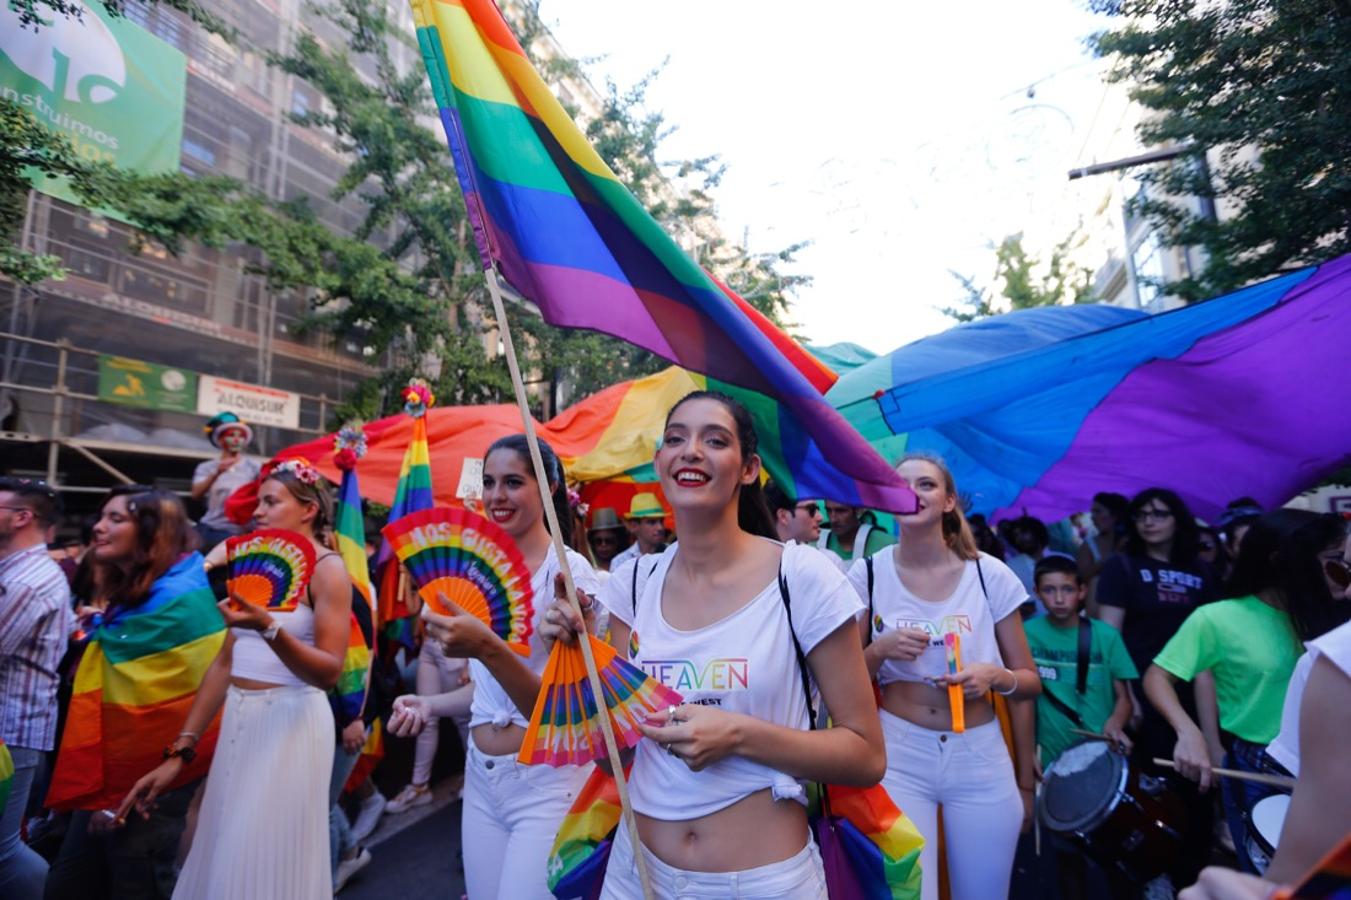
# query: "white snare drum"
1265, 821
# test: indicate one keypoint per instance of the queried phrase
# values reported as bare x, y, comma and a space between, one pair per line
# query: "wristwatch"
270, 632
187, 754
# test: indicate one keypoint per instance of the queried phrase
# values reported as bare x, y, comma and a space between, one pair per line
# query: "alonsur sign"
254, 404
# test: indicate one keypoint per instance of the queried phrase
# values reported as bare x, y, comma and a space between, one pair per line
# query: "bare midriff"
755, 831
495, 741
926, 705
249, 684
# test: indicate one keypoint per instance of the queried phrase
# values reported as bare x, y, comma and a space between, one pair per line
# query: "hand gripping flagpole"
556, 531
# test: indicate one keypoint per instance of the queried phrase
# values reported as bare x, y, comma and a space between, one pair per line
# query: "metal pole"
58, 409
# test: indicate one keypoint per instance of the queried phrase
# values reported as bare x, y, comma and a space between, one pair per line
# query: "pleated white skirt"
263, 829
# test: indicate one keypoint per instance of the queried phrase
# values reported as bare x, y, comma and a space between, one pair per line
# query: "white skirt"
263, 829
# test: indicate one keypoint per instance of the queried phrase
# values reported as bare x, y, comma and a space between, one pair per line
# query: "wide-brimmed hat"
646, 506
217, 425
604, 519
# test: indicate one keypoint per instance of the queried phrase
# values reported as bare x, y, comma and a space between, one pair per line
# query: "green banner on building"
132, 382
111, 87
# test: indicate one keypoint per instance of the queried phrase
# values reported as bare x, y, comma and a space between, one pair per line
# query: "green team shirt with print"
1056, 652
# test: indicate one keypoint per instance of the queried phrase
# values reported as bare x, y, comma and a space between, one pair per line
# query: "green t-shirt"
877, 540
1251, 649
1056, 652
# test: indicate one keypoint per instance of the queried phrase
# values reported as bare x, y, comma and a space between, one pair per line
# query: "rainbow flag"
371, 753
576, 865
6, 774
882, 843
553, 219
412, 493
133, 689
350, 693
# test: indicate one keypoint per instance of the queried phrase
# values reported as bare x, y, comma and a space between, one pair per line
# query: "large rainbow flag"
412, 492
133, 689
553, 219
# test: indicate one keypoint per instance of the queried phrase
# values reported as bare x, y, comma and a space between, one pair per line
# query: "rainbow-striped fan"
565, 727
270, 568
474, 563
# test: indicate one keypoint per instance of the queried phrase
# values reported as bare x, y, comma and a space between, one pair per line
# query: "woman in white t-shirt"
717, 784
935, 581
511, 811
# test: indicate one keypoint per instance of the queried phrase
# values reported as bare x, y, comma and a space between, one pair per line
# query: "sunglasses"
1339, 572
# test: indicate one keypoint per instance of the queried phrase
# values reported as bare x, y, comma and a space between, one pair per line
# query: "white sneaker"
349, 867
412, 795
368, 816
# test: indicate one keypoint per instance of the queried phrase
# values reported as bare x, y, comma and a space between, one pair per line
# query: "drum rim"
1254, 833
1092, 821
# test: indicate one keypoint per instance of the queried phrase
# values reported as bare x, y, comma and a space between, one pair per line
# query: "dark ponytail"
553, 467
752, 513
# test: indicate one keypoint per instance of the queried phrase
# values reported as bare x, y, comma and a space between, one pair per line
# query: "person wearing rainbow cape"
717, 783
263, 826
944, 745
511, 810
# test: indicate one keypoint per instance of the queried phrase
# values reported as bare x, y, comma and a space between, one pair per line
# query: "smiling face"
279, 508
1335, 563
930, 487
700, 459
114, 533
510, 495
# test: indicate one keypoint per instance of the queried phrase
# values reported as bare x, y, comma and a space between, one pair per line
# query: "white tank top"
254, 658
744, 663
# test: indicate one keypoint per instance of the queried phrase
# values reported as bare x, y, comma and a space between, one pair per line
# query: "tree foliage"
1023, 282
1265, 85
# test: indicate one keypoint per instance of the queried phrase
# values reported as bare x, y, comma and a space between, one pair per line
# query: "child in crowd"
1084, 668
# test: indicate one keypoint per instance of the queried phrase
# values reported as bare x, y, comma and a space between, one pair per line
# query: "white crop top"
1336, 646
254, 658
744, 663
491, 702
970, 612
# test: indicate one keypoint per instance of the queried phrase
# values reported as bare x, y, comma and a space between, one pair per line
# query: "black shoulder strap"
868, 562
1082, 659
980, 573
1062, 707
797, 649
634, 595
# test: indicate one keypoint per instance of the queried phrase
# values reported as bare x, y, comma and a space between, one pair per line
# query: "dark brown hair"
163, 535
752, 514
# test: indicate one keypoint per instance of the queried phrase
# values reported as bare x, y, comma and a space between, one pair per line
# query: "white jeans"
971, 777
511, 816
800, 877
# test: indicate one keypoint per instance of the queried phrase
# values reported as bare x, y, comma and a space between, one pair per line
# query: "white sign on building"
254, 404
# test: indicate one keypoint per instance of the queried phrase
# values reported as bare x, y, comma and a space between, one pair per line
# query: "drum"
1126, 821
1265, 821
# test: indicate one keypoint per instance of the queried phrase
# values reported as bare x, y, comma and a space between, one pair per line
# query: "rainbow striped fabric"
882, 843
133, 689
554, 220
576, 865
412, 493
350, 531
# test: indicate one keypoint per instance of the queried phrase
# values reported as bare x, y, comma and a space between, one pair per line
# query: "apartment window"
1147, 261
200, 152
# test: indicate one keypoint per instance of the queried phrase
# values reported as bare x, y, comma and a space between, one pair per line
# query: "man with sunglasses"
35, 622
794, 520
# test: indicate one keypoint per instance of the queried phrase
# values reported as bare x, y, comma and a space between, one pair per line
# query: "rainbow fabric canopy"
1039, 409
553, 219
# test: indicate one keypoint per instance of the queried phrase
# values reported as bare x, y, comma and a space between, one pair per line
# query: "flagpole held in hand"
556, 532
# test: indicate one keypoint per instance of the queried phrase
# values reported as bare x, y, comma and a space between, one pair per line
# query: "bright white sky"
898, 137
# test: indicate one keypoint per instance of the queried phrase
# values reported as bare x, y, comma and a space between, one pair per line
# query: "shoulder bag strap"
868, 563
1082, 659
797, 649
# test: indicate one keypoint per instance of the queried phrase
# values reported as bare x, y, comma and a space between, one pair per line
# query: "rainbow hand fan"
565, 727
474, 563
270, 568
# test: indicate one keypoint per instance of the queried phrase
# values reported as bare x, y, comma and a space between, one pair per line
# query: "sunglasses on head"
1339, 572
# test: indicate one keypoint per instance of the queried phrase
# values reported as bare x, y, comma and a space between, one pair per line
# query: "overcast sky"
899, 138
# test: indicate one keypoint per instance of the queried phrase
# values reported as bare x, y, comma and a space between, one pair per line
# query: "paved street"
414, 855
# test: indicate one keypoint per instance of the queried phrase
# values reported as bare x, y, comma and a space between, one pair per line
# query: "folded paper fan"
270, 568
473, 563
565, 727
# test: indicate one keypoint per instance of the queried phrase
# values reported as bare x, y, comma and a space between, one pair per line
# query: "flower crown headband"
301, 469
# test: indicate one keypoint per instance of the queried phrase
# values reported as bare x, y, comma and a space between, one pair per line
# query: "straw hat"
646, 506
604, 519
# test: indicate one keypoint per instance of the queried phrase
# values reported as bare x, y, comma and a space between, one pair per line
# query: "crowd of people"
167, 739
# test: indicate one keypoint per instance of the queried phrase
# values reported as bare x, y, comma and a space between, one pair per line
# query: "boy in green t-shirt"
1103, 705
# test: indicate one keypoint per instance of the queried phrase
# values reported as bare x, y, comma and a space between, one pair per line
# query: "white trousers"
800, 877
511, 816
971, 777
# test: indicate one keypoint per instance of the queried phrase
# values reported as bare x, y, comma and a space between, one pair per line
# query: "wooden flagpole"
560, 551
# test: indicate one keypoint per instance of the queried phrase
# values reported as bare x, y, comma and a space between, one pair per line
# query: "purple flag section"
1258, 408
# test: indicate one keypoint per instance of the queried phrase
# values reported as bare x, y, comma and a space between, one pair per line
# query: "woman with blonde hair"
263, 827
932, 583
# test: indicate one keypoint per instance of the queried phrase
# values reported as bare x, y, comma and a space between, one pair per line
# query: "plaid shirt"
35, 623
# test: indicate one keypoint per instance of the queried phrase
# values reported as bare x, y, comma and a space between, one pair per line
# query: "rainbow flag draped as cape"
350, 531
553, 219
133, 689
413, 493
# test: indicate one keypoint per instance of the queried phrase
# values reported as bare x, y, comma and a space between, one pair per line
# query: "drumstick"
1278, 781
953, 642
1093, 735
